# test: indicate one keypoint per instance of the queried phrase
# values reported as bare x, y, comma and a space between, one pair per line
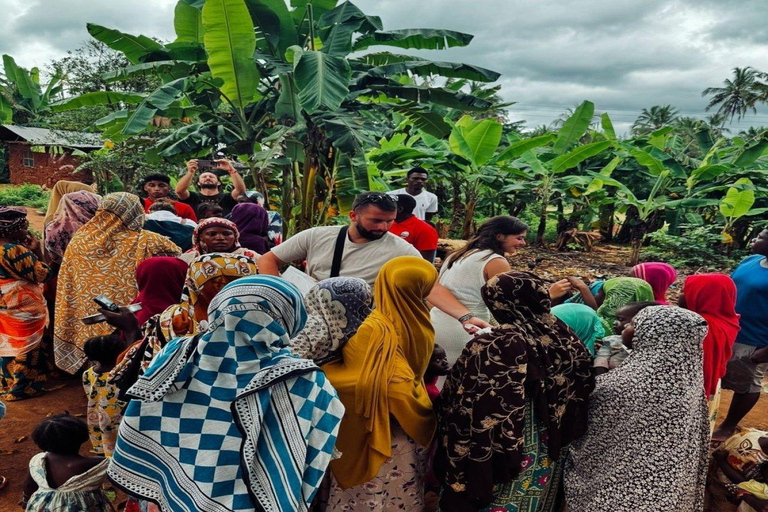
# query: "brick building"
43, 157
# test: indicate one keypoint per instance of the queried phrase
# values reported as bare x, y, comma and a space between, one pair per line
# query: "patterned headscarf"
127, 207
659, 275
218, 222
206, 276
532, 357
336, 307
12, 219
583, 320
656, 400
619, 292
255, 426
74, 210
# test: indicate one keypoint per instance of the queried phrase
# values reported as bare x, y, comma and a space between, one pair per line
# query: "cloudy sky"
624, 55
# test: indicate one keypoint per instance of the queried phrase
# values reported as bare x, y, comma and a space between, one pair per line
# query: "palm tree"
655, 118
738, 95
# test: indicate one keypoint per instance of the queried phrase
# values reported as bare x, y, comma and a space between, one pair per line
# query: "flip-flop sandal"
3, 482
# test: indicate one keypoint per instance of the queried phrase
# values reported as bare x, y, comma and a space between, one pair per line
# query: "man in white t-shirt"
368, 245
426, 202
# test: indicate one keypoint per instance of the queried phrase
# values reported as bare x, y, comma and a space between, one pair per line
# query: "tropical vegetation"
320, 101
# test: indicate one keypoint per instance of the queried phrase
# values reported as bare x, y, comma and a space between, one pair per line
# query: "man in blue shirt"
744, 374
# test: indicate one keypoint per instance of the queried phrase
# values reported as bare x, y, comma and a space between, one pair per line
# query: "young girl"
59, 478
613, 351
104, 409
741, 470
438, 367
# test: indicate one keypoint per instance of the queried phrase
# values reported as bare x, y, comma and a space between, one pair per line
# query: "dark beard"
207, 186
368, 234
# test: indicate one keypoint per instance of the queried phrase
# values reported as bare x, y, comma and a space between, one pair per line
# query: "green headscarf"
583, 321
619, 292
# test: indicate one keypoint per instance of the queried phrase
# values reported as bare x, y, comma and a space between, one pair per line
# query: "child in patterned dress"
104, 409
59, 478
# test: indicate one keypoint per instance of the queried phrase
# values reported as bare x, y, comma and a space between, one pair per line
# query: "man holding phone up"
209, 186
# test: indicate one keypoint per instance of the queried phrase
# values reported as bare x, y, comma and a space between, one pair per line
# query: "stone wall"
48, 168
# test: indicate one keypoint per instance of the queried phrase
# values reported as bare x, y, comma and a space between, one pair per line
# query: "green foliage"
699, 249
32, 196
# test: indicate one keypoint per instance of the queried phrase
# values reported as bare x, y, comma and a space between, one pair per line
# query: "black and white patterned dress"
646, 445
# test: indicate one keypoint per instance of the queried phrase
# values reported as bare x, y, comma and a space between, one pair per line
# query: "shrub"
697, 247
32, 196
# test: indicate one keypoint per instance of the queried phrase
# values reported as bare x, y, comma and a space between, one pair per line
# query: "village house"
43, 157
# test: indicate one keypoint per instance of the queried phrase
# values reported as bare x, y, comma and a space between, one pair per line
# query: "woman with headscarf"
59, 190
618, 292
252, 222
206, 276
513, 400
231, 420
216, 235
583, 321
389, 423
74, 210
659, 275
646, 445
23, 311
713, 296
161, 282
101, 259
336, 307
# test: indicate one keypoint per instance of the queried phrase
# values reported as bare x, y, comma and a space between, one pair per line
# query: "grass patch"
32, 196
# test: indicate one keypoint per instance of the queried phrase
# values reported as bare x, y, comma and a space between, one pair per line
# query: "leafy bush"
24, 195
698, 247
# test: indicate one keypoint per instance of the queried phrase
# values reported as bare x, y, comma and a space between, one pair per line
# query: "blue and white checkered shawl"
230, 420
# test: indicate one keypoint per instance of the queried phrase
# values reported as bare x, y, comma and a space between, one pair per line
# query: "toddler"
614, 350
59, 478
438, 367
105, 410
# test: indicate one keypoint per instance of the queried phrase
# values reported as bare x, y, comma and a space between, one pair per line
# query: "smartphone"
98, 318
105, 303
206, 164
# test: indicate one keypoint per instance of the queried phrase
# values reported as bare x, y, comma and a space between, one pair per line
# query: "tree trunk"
625, 233
637, 238
466, 228
606, 221
542, 223
458, 208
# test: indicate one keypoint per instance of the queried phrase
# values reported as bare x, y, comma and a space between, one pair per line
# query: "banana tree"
548, 157
258, 77
22, 97
736, 204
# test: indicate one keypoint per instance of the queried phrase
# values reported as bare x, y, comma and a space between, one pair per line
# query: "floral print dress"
105, 411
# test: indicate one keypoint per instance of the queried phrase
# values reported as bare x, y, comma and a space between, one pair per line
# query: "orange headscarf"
381, 372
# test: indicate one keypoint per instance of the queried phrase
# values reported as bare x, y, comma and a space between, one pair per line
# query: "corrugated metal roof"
45, 137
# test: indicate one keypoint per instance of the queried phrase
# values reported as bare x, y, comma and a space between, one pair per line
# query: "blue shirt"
751, 280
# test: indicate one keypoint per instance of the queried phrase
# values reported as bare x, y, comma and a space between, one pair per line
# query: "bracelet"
466, 317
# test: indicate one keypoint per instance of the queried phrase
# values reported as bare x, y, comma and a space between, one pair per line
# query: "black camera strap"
338, 252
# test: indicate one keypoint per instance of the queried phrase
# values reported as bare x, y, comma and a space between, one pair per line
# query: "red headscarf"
660, 276
160, 281
713, 296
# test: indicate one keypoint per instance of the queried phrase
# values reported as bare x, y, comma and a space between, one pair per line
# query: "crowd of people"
214, 383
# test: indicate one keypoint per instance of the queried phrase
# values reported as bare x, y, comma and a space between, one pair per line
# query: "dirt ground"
16, 446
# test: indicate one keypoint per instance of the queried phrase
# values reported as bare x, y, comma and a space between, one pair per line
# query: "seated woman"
583, 321
389, 423
646, 445
216, 235
252, 222
23, 311
618, 292
231, 420
336, 307
659, 275
741, 470
512, 401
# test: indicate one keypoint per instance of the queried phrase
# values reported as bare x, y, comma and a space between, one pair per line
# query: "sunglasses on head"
376, 198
